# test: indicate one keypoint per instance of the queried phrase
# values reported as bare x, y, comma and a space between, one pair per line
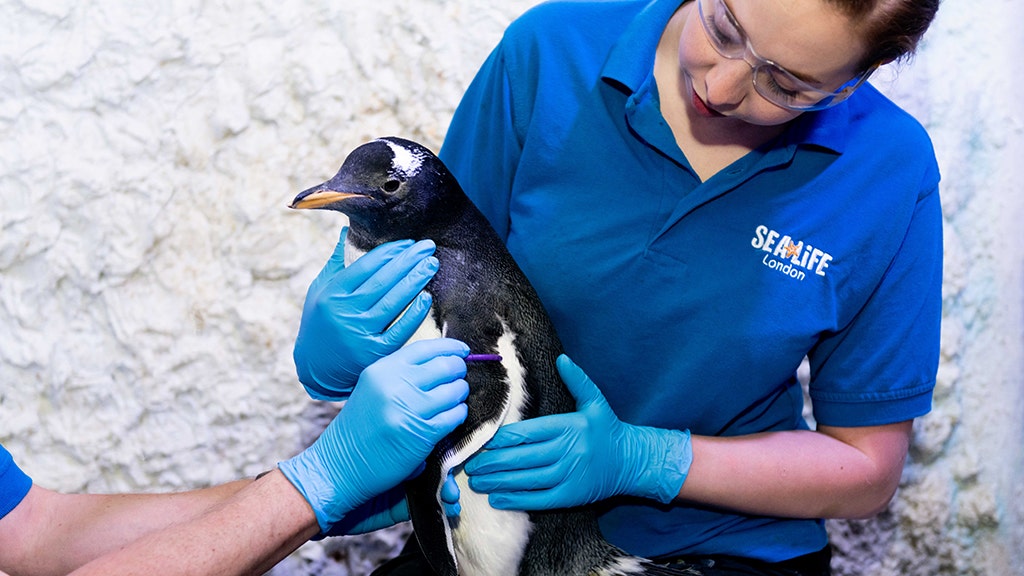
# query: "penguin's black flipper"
430, 524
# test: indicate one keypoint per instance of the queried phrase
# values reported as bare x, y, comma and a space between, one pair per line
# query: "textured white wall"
151, 276
960, 509
961, 506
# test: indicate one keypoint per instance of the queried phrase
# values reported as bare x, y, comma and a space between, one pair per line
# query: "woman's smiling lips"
703, 108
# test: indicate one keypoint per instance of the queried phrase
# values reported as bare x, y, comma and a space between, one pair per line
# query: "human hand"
401, 407
390, 508
348, 318
572, 459
381, 511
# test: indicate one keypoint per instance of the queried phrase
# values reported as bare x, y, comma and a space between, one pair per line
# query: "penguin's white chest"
475, 535
480, 528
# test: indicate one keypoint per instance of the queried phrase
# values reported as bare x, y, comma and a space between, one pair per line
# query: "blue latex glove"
580, 457
401, 407
389, 509
348, 313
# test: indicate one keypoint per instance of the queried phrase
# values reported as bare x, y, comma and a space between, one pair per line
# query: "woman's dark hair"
891, 28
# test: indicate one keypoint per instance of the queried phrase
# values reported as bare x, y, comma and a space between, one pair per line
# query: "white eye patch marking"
406, 162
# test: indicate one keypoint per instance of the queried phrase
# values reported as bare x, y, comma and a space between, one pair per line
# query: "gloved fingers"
444, 397
444, 422
402, 279
403, 328
531, 478
579, 384
391, 268
353, 291
391, 298
438, 360
435, 413
558, 497
336, 263
519, 457
423, 351
385, 510
451, 510
531, 431
450, 490
450, 497
400, 387
358, 276
365, 267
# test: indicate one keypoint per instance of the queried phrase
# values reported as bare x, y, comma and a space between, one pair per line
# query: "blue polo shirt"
14, 483
690, 303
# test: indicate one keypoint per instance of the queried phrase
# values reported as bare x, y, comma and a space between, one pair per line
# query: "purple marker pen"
483, 358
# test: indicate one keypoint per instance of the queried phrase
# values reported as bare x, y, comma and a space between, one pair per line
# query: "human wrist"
328, 498
663, 464
274, 485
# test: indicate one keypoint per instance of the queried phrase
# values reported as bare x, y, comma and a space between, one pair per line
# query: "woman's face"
808, 38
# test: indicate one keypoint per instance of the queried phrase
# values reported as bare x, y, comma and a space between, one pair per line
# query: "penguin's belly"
476, 533
485, 541
480, 528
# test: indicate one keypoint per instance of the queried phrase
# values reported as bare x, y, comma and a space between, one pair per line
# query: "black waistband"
813, 564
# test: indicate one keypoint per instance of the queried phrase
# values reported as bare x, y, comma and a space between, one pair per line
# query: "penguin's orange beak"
320, 198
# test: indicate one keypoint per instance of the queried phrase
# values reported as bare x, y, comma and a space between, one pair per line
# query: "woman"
704, 194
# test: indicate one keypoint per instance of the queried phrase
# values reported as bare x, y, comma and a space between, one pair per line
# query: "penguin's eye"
391, 186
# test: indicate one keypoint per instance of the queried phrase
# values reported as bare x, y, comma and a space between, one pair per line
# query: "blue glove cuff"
669, 458
317, 490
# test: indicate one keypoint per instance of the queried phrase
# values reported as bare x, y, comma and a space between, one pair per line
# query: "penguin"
394, 189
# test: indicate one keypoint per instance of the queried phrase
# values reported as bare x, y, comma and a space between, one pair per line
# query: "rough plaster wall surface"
960, 506
151, 278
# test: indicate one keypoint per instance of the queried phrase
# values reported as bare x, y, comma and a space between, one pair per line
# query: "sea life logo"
787, 255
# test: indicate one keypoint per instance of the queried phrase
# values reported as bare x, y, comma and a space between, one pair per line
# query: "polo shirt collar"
632, 58
826, 128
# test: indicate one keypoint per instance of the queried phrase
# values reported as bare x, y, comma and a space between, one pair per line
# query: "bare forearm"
799, 474
83, 527
246, 534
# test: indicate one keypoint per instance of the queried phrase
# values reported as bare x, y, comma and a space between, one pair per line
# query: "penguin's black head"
390, 187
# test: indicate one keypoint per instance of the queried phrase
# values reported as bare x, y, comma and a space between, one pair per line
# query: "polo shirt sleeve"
881, 367
482, 146
14, 484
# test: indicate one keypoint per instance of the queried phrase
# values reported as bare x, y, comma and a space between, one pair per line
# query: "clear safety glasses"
772, 82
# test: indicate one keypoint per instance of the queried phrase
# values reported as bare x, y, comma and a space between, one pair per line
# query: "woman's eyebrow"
731, 17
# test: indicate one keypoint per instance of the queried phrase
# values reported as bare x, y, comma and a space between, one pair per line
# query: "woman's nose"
728, 82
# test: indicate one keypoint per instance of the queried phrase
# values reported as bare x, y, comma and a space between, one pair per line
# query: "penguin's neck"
439, 227
362, 240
